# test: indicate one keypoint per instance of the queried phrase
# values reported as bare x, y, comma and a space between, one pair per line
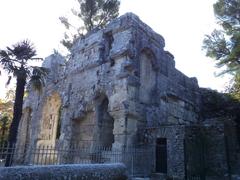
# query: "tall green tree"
15, 60
223, 44
93, 14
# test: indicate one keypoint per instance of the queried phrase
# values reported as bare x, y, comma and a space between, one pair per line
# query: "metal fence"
137, 159
205, 159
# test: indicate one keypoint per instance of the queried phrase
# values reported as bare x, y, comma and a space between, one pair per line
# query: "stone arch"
151, 56
50, 119
148, 75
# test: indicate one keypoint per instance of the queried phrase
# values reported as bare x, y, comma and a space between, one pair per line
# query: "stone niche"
147, 76
50, 120
94, 128
82, 130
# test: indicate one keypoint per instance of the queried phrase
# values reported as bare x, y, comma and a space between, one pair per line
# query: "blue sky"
183, 24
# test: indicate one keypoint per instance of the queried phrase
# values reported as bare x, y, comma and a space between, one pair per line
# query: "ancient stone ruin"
120, 89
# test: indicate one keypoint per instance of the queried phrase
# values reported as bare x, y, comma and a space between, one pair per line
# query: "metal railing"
137, 159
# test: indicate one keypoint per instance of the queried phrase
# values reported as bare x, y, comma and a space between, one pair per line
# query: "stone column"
119, 129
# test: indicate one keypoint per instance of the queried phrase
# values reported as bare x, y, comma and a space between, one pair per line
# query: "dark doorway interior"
161, 155
105, 124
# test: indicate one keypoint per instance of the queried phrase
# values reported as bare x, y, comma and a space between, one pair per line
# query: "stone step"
158, 176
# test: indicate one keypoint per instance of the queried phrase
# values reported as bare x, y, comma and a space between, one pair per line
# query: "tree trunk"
17, 113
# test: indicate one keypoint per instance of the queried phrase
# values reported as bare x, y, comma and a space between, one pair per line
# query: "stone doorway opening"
105, 123
161, 155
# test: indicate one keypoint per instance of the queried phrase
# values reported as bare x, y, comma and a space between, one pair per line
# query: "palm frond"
9, 80
41, 71
37, 79
36, 83
37, 59
16, 56
23, 50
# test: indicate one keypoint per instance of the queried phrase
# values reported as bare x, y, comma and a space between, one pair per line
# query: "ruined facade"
118, 89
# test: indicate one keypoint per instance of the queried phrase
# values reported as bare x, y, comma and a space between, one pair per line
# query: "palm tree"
15, 61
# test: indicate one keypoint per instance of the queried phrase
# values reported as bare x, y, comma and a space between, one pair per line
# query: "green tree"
234, 87
15, 61
223, 45
6, 109
94, 14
